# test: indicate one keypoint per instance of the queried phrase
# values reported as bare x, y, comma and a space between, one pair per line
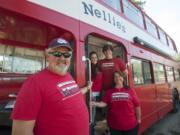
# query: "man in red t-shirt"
50, 102
109, 65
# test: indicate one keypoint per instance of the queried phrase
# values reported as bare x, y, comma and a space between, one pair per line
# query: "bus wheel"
175, 100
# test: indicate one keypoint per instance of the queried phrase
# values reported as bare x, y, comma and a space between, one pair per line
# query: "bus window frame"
110, 7
178, 71
133, 22
167, 75
161, 31
142, 71
154, 69
152, 22
43, 63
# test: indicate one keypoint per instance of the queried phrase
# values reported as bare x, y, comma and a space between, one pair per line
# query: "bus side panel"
7, 89
163, 95
148, 99
80, 64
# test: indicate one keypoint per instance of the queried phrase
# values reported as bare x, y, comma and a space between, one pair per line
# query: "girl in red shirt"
124, 114
96, 77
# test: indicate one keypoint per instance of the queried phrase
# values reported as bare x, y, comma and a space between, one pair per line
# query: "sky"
166, 13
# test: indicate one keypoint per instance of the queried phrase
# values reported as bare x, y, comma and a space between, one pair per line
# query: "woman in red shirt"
124, 114
96, 77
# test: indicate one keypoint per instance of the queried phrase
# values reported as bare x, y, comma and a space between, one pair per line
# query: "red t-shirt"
121, 108
97, 82
55, 102
108, 67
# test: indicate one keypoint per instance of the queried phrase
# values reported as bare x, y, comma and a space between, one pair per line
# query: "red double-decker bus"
27, 26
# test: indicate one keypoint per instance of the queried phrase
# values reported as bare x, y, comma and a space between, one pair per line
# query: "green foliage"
139, 3
178, 57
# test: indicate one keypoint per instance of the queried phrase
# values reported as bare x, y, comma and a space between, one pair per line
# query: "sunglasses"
59, 54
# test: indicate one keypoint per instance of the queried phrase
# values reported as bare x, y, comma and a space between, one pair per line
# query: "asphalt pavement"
169, 125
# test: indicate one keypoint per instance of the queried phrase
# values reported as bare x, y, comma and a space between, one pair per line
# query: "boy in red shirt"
108, 65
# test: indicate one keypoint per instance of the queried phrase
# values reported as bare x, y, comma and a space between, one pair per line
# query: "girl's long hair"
94, 67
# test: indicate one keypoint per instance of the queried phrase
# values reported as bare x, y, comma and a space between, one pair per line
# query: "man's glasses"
59, 54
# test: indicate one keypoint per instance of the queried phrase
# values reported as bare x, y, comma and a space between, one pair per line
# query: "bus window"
21, 60
133, 13
137, 71
169, 72
170, 43
162, 36
159, 73
147, 72
151, 27
114, 4
177, 77
141, 71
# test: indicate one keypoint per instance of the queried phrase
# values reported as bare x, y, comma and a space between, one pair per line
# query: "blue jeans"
95, 97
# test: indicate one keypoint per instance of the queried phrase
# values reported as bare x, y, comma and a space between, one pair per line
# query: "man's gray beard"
61, 68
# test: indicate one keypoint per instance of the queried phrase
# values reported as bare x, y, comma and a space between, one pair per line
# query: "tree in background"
139, 3
178, 57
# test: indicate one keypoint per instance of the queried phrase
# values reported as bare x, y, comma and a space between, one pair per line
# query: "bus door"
96, 43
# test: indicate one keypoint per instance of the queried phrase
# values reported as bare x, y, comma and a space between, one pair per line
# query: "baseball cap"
59, 42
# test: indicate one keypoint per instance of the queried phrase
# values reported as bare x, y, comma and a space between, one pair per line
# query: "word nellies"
105, 16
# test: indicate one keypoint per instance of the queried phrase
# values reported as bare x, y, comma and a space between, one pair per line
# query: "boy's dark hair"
107, 47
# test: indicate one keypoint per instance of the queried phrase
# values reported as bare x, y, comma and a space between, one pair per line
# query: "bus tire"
175, 96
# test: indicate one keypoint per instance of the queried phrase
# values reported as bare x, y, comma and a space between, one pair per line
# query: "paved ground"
170, 125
